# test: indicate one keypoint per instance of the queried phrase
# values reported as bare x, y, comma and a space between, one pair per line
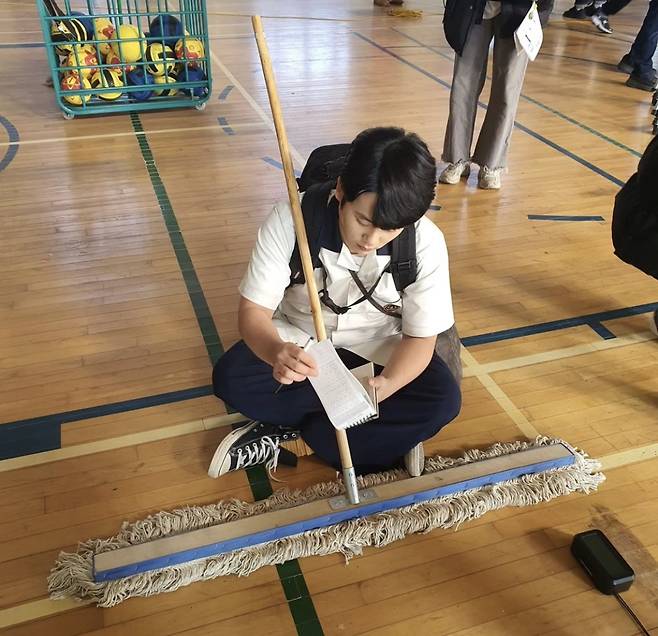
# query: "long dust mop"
171, 549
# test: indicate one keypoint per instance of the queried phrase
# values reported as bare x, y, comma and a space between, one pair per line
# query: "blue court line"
435, 207
561, 217
52, 423
14, 137
225, 92
22, 45
279, 165
590, 320
534, 101
22, 437
222, 121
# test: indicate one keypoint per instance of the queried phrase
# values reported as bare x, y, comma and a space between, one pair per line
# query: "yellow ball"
107, 78
104, 31
161, 60
165, 91
132, 50
71, 82
190, 50
86, 59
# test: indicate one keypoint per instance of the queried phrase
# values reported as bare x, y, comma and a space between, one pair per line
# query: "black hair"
398, 167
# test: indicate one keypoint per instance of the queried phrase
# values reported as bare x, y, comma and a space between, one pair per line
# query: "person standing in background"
469, 31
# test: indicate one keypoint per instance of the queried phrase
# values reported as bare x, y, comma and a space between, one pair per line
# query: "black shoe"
250, 445
643, 82
626, 65
575, 14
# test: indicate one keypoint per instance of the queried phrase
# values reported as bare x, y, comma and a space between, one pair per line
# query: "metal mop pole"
349, 476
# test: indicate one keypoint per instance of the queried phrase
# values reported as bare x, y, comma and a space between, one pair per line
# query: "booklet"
346, 396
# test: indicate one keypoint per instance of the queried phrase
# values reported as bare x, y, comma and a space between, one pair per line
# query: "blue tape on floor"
556, 325
323, 521
560, 217
12, 133
22, 45
225, 126
602, 330
225, 92
278, 164
24, 437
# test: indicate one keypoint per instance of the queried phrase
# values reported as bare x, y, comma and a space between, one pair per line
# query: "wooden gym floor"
105, 334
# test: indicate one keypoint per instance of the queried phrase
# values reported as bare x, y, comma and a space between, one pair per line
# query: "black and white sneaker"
250, 445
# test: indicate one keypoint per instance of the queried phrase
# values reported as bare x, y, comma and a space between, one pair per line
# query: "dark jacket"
635, 216
461, 15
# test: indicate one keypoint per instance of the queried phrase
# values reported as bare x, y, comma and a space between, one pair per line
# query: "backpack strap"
314, 211
404, 265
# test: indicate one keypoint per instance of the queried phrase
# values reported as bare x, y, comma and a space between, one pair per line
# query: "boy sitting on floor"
385, 187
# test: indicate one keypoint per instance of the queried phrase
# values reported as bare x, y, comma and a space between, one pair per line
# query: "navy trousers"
413, 414
644, 47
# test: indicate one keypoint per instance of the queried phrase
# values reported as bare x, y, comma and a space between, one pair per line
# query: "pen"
304, 348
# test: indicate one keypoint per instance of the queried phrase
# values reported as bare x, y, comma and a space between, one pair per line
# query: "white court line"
557, 354
499, 395
51, 140
630, 456
34, 610
252, 102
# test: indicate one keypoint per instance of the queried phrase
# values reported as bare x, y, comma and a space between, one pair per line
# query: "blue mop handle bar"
300, 232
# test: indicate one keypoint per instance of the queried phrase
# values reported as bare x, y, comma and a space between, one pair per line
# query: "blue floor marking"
278, 164
14, 137
561, 217
23, 437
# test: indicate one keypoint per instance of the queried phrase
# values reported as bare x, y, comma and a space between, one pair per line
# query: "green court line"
290, 574
534, 101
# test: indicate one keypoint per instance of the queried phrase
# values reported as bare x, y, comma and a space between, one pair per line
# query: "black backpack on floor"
635, 216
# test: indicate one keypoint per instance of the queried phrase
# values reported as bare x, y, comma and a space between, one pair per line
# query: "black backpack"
635, 216
317, 180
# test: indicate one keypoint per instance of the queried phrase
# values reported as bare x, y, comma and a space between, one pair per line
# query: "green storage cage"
115, 56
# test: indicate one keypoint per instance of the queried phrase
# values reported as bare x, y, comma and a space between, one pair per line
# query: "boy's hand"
292, 364
383, 385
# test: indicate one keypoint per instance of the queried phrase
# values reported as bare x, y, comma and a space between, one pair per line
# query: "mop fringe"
72, 576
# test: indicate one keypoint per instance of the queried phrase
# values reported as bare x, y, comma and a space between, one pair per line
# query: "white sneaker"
414, 460
653, 322
453, 172
489, 178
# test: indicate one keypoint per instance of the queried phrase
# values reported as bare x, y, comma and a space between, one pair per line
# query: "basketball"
189, 49
132, 49
107, 78
161, 60
71, 82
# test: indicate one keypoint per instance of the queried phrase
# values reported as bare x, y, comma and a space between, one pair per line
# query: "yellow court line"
499, 395
156, 434
51, 140
557, 354
37, 609
630, 456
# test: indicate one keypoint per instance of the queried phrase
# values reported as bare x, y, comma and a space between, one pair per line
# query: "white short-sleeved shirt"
426, 304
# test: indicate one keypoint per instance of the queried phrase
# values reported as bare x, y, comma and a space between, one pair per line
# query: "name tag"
529, 36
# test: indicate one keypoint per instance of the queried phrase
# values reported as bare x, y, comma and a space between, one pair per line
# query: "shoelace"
265, 450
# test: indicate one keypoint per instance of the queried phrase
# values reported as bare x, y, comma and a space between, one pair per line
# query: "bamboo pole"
349, 476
